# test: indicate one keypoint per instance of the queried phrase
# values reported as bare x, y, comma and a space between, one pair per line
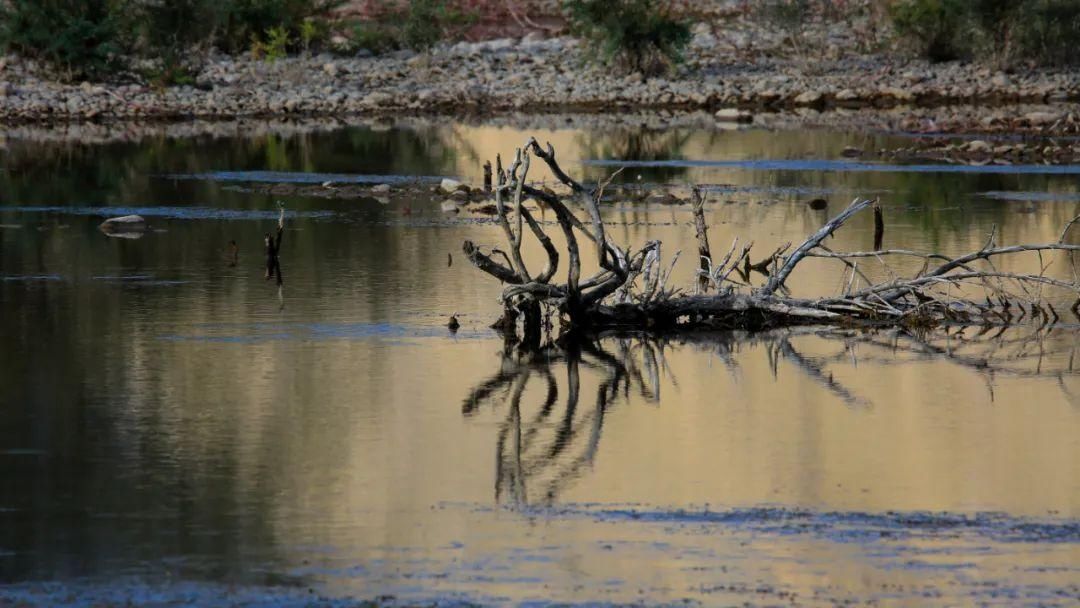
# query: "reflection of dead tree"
991, 353
629, 290
540, 450
551, 430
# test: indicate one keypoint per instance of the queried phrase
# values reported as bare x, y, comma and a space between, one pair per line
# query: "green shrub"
241, 21
418, 26
427, 22
1003, 32
1047, 32
93, 39
175, 34
82, 38
935, 28
786, 14
275, 46
640, 35
309, 33
375, 37
789, 16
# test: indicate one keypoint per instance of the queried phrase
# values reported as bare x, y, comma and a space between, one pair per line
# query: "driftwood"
629, 289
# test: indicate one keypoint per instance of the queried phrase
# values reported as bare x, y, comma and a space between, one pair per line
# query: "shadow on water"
552, 427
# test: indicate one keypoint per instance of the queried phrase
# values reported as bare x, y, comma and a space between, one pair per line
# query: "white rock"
124, 223
846, 95
448, 186
449, 206
979, 147
381, 189
734, 115
808, 98
1042, 118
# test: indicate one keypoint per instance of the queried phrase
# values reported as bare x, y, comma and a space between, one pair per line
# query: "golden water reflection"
159, 402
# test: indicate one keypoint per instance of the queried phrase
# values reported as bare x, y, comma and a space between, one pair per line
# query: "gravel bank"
739, 64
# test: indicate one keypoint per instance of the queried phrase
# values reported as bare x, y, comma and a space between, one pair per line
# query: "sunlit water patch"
1038, 197
839, 166
207, 435
172, 213
264, 332
293, 177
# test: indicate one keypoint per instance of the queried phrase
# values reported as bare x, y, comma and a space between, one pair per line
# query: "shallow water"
176, 428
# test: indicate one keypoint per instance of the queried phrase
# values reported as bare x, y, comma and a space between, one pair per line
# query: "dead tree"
273, 248
629, 289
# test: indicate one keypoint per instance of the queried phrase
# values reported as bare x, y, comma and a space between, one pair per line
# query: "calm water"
175, 428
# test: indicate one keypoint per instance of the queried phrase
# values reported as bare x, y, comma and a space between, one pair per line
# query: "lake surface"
176, 428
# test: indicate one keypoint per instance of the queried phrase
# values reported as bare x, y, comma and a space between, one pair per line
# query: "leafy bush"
95, 38
1045, 32
934, 27
275, 47
175, 33
786, 14
641, 35
241, 21
789, 16
84, 38
418, 26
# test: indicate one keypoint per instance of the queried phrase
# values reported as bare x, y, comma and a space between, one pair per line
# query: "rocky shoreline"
726, 68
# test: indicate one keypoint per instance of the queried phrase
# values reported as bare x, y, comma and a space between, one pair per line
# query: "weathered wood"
613, 297
879, 228
273, 249
815, 239
701, 232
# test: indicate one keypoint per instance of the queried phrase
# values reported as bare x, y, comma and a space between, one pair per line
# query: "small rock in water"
851, 152
449, 186
449, 206
126, 223
663, 198
381, 189
734, 115
818, 204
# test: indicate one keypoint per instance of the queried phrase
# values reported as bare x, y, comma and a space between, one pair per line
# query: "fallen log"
629, 289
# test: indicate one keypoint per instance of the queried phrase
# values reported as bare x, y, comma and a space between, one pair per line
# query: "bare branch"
789, 265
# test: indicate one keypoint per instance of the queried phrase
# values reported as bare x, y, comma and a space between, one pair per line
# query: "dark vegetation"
166, 41
1005, 32
419, 25
639, 35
